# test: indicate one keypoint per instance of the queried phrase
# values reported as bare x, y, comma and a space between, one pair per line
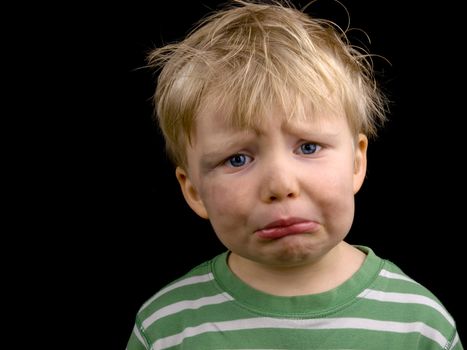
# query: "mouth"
286, 227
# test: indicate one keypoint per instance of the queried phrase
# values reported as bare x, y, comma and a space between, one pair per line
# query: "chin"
295, 251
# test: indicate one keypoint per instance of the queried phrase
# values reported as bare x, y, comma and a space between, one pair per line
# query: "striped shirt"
379, 307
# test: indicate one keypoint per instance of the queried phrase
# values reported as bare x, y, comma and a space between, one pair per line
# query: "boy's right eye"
237, 160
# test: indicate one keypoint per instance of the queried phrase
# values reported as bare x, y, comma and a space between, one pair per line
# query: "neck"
327, 273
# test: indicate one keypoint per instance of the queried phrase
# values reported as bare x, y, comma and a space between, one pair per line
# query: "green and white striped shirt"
379, 307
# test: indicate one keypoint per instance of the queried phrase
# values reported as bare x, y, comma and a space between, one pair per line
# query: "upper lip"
284, 222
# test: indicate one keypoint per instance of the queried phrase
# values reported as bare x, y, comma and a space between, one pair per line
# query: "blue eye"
309, 148
237, 160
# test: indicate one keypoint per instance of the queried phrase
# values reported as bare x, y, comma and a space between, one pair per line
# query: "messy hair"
251, 56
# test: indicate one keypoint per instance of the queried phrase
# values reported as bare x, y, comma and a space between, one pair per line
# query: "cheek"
337, 196
337, 199
226, 199
229, 209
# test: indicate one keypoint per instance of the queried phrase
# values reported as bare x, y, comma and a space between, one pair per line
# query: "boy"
266, 114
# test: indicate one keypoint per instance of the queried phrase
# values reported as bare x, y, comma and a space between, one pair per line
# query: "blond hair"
251, 56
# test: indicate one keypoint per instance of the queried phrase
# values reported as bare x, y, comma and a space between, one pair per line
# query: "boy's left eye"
309, 148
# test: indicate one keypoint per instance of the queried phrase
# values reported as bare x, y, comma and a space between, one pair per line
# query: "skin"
299, 177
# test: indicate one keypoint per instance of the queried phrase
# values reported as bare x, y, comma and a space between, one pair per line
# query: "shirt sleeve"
137, 340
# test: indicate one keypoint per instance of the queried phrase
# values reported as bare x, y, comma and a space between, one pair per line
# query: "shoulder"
195, 284
395, 280
173, 307
404, 300
391, 278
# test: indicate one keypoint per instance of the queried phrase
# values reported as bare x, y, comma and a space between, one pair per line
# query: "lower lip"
278, 232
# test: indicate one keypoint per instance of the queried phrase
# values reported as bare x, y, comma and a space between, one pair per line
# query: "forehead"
217, 123
259, 117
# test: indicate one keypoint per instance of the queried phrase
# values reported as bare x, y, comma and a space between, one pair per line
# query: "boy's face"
280, 195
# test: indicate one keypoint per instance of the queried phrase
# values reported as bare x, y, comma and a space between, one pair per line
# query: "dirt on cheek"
220, 199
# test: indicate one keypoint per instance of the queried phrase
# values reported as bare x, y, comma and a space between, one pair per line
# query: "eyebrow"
211, 159
223, 146
299, 129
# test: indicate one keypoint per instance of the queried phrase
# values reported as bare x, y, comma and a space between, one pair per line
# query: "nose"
279, 183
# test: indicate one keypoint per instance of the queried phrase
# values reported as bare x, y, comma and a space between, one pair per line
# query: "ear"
190, 193
360, 162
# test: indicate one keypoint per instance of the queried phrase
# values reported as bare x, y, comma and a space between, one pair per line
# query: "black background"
98, 188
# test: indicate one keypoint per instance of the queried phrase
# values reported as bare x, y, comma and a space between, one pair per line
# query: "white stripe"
455, 341
185, 282
324, 323
395, 276
186, 305
406, 298
140, 337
